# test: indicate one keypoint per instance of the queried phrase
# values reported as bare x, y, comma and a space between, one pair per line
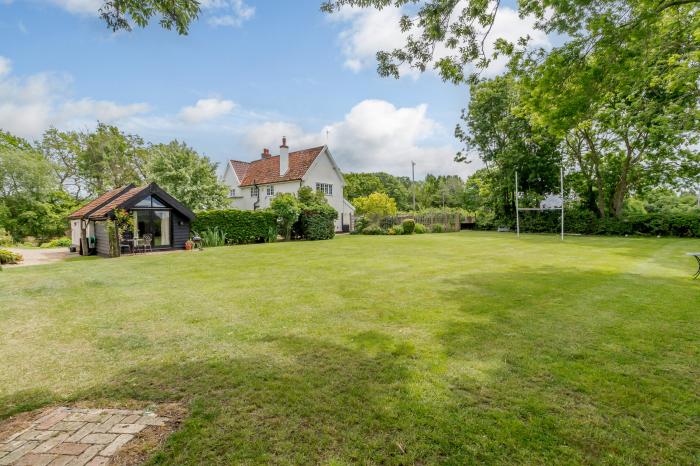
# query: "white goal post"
551, 202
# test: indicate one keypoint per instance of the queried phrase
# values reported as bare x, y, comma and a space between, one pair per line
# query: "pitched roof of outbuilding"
267, 170
125, 198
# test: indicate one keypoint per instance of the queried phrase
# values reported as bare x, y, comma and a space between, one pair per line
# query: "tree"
111, 159
189, 177
122, 14
63, 150
450, 35
364, 184
287, 208
375, 206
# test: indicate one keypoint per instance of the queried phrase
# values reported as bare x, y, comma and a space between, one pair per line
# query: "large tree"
171, 14
189, 177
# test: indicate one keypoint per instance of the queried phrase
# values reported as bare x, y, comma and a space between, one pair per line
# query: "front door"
154, 222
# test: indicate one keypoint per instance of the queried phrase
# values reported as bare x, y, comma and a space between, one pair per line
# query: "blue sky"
248, 73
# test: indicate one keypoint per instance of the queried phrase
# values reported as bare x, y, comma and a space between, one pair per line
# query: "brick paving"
75, 437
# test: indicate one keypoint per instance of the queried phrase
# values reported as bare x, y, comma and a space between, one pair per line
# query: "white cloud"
5, 66
84, 7
370, 30
206, 110
231, 13
374, 136
29, 105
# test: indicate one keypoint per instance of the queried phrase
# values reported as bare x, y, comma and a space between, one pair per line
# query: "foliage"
9, 257
375, 206
364, 184
437, 228
317, 218
123, 221
396, 230
373, 230
62, 150
213, 237
420, 229
287, 208
189, 177
239, 226
63, 242
111, 159
113, 237
5, 238
121, 15
409, 226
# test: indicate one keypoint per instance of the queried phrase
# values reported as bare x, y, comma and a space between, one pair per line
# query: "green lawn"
453, 348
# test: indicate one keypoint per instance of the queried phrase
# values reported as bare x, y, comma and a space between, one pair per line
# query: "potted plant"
188, 245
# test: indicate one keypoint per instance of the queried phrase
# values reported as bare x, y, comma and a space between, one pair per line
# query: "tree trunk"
595, 158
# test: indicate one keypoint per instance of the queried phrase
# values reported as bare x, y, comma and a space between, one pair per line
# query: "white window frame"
232, 192
270, 190
325, 188
254, 191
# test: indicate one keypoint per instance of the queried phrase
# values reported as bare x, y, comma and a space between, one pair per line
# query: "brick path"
70, 436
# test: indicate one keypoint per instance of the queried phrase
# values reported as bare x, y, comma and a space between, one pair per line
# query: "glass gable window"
150, 202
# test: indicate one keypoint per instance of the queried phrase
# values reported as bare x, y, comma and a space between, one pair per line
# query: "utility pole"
413, 177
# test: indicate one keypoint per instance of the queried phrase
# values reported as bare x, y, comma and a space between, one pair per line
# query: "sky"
248, 73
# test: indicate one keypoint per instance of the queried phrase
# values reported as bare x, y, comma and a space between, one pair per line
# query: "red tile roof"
94, 204
117, 201
267, 171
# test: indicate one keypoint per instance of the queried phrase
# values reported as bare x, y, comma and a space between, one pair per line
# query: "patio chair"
146, 243
126, 240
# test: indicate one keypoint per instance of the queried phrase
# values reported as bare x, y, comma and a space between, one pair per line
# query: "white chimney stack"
284, 157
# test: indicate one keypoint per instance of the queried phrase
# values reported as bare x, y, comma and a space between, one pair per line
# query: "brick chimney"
266, 154
284, 156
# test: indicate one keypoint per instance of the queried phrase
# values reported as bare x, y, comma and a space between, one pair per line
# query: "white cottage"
252, 185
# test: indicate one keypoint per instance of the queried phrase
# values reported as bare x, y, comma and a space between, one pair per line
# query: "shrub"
373, 230
64, 242
396, 230
239, 226
409, 225
212, 238
420, 229
9, 257
317, 218
287, 209
5, 238
375, 206
437, 228
360, 224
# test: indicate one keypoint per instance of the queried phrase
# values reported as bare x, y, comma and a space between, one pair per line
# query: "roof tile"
266, 171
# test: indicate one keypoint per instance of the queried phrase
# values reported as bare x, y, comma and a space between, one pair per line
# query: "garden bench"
696, 255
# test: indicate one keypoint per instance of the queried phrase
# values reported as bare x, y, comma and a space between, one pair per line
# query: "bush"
287, 209
420, 229
373, 230
9, 257
212, 238
396, 230
409, 226
437, 228
58, 243
317, 222
239, 226
360, 224
5, 238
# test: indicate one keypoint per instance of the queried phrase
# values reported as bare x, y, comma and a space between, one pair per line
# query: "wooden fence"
450, 221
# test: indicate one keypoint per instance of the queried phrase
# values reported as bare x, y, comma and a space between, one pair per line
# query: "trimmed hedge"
585, 222
240, 226
316, 222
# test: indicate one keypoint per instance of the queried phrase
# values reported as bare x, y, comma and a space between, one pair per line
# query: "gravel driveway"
40, 256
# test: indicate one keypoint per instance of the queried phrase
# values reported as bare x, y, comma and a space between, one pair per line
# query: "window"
254, 191
270, 190
325, 188
150, 201
232, 193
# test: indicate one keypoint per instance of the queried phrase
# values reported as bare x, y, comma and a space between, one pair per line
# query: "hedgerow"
239, 226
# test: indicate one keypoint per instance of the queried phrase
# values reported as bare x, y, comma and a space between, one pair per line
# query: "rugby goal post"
551, 202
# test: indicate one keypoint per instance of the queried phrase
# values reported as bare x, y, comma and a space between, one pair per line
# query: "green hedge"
316, 222
585, 222
240, 226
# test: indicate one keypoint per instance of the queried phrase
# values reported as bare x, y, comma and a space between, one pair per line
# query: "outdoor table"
696, 255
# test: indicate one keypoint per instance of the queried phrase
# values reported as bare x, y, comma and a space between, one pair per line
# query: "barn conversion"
156, 213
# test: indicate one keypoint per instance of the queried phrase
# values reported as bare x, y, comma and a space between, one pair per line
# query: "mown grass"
453, 348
